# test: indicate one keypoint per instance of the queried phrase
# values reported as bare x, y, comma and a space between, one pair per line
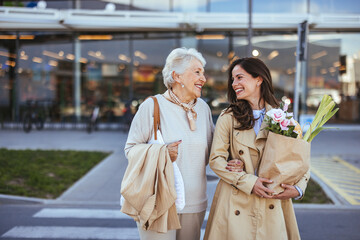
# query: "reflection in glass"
97, 4
5, 87
237, 6
45, 75
150, 56
334, 69
189, 5
105, 77
334, 6
154, 5
280, 6
215, 52
277, 52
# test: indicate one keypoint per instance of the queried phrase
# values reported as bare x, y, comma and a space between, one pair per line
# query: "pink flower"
277, 115
289, 114
286, 106
292, 122
284, 124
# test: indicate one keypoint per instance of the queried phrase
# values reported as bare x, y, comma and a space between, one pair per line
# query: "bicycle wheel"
39, 123
89, 127
27, 123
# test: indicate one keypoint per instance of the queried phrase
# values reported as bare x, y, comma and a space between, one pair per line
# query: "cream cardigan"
193, 151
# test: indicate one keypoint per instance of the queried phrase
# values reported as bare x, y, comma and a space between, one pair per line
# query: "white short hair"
178, 61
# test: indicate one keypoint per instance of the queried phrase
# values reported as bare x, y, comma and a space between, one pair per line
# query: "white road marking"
85, 213
52, 232
72, 232
80, 213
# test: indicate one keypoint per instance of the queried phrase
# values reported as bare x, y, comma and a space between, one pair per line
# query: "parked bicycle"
127, 117
93, 120
32, 116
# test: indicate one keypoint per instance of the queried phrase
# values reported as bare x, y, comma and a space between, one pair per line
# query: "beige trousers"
190, 229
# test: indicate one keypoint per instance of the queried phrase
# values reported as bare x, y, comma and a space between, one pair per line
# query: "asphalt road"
79, 222
21, 220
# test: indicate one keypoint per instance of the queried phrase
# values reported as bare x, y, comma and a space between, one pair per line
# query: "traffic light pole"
300, 76
250, 30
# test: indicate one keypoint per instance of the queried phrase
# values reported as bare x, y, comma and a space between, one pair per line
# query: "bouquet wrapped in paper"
286, 156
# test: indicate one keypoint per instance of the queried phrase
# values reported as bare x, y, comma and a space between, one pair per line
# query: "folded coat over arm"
148, 188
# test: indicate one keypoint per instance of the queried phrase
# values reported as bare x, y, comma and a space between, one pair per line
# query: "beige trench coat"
236, 213
148, 188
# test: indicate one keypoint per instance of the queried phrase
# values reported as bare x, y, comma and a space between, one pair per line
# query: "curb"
310, 206
335, 198
31, 200
343, 127
20, 199
83, 179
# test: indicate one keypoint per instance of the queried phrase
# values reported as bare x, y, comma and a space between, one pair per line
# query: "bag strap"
156, 116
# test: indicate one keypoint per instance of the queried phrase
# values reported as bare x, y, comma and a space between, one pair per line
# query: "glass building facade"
69, 66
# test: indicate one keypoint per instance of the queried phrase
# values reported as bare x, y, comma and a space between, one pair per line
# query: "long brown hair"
241, 108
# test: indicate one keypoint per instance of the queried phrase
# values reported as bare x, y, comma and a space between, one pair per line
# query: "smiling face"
246, 86
193, 80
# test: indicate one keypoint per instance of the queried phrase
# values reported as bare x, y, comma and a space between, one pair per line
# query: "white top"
179, 182
193, 152
259, 115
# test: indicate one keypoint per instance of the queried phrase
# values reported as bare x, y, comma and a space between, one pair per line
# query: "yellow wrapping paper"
285, 160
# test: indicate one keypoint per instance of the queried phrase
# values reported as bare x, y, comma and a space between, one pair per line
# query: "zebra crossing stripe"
85, 213
75, 233
72, 232
66, 232
80, 213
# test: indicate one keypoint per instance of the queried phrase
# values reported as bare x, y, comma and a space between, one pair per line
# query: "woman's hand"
260, 190
289, 192
235, 165
173, 150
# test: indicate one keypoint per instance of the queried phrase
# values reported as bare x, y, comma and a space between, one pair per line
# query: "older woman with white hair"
187, 128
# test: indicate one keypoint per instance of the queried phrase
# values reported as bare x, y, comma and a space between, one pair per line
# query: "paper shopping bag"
285, 160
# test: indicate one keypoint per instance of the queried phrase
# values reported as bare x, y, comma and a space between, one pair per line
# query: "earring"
182, 85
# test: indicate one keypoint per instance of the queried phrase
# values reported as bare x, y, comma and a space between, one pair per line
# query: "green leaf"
327, 117
317, 131
326, 106
314, 133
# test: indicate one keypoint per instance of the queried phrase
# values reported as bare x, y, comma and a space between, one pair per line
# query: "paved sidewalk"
101, 185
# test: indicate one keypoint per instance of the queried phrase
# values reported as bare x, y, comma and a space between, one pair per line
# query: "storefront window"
189, 5
236, 6
239, 6
56, 4
90, 4
154, 5
279, 6
133, 5
277, 52
334, 69
149, 61
215, 48
105, 77
7, 61
334, 6
45, 75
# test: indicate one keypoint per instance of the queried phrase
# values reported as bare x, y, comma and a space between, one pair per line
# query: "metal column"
250, 30
300, 76
77, 78
131, 67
